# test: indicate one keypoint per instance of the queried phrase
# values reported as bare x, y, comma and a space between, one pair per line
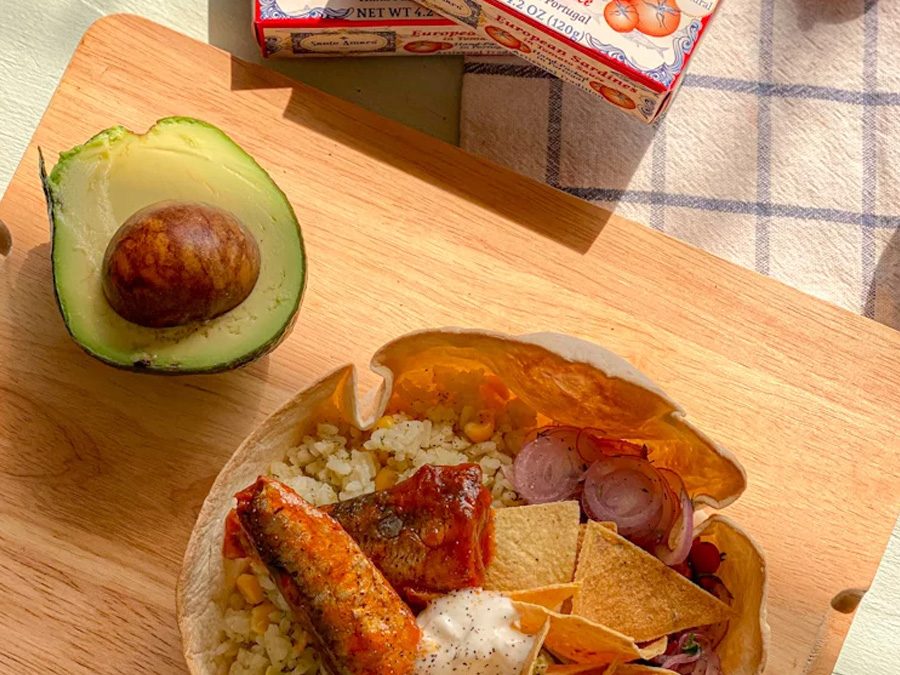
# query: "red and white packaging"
632, 53
300, 28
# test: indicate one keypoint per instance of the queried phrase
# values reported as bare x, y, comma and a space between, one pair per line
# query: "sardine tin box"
632, 53
301, 28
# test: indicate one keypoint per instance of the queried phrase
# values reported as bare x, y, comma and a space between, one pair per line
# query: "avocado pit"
174, 263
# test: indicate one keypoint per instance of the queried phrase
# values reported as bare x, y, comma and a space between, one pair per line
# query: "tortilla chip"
631, 591
534, 546
534, 654
655, 648
577, 639
551, 597
583, 528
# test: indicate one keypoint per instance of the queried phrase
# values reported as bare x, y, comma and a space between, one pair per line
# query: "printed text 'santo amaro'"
299, 28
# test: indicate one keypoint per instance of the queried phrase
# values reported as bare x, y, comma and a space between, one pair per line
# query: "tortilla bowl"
566, 380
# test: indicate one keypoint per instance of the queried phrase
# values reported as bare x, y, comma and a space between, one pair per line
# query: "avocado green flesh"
95, 187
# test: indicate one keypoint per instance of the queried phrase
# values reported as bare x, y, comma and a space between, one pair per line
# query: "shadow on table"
424, 157
420, 92
84, 429
432, 161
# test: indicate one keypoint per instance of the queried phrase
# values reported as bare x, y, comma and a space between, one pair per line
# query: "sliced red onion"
625, 490
548, 469
671, 505
592, 445
676, 527
684, 658
707, 664
570, 434
675, 549
701, 659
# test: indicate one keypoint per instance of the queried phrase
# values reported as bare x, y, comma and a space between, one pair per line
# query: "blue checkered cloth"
780, 153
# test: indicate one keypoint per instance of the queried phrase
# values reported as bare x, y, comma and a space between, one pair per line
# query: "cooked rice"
338, 464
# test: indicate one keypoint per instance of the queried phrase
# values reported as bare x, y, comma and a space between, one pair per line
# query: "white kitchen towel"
780, 153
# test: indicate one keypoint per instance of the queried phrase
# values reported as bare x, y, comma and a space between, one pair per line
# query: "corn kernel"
385, 478
480, 430
466, 415
259, 617
384, 422
249, 587
233, 569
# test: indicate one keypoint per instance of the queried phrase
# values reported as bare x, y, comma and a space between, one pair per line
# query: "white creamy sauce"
471, 631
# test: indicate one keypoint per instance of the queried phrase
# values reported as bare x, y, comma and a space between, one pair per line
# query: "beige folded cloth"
781, 152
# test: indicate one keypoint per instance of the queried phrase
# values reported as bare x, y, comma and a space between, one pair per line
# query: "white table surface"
37, 38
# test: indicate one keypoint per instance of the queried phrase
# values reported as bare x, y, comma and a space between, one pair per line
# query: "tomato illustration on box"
427, 46
657, 18
631, 53
506, 39
614, 96
621, 15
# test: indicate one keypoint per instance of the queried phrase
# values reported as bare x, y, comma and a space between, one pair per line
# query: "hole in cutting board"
5, 239
847, 600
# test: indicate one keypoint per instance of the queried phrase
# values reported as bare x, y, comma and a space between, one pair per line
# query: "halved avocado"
98, 186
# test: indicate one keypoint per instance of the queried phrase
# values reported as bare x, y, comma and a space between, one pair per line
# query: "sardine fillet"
430, 534
358, 621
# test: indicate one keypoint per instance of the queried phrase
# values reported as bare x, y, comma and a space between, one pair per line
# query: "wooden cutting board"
102, 471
